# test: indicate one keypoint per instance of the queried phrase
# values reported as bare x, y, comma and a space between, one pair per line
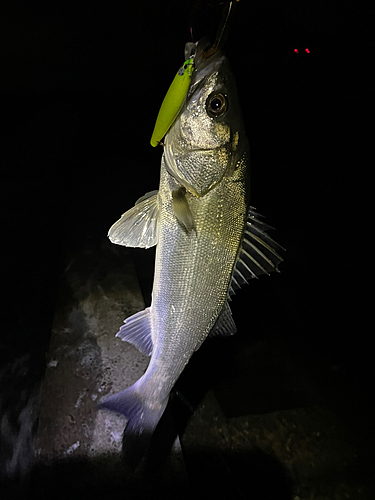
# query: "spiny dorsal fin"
181, 208
138, 226
258, 253
137, 331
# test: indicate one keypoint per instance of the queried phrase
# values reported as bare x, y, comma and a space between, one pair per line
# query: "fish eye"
216, 104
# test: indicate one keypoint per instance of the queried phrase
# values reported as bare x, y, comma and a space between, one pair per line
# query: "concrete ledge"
85, 361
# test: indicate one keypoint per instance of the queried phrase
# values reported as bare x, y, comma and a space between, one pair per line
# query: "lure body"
172, 101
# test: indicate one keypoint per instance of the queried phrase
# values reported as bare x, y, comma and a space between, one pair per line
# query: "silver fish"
208, 240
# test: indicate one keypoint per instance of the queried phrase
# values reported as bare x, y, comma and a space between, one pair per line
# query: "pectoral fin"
181, 208
138, 226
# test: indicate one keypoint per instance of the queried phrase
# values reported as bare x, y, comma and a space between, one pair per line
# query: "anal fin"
137, 331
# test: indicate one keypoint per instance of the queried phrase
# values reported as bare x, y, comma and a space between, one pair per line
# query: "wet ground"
259, 417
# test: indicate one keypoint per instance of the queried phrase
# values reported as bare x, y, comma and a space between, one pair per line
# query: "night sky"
81, 84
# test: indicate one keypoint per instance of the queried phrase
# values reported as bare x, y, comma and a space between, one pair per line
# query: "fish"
209, 240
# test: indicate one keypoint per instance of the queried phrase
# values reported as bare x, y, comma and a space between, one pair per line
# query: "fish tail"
142, 421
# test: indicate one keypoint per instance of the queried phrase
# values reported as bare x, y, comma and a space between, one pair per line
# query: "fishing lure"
172, 101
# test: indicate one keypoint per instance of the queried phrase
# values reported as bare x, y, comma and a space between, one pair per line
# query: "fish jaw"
197, 148
201, 147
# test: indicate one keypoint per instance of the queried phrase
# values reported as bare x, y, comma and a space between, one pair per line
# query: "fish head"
207, 137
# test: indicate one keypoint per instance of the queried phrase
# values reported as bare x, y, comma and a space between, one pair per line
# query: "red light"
307, 50
296, 51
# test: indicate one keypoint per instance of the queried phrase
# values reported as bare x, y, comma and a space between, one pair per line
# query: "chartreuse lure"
172, 101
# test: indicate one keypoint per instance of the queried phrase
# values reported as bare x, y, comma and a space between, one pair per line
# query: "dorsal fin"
138, 226
258, 252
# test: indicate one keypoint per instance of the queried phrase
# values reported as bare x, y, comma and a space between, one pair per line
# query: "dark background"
81, 84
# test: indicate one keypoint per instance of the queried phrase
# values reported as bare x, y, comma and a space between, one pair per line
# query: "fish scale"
189, 264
